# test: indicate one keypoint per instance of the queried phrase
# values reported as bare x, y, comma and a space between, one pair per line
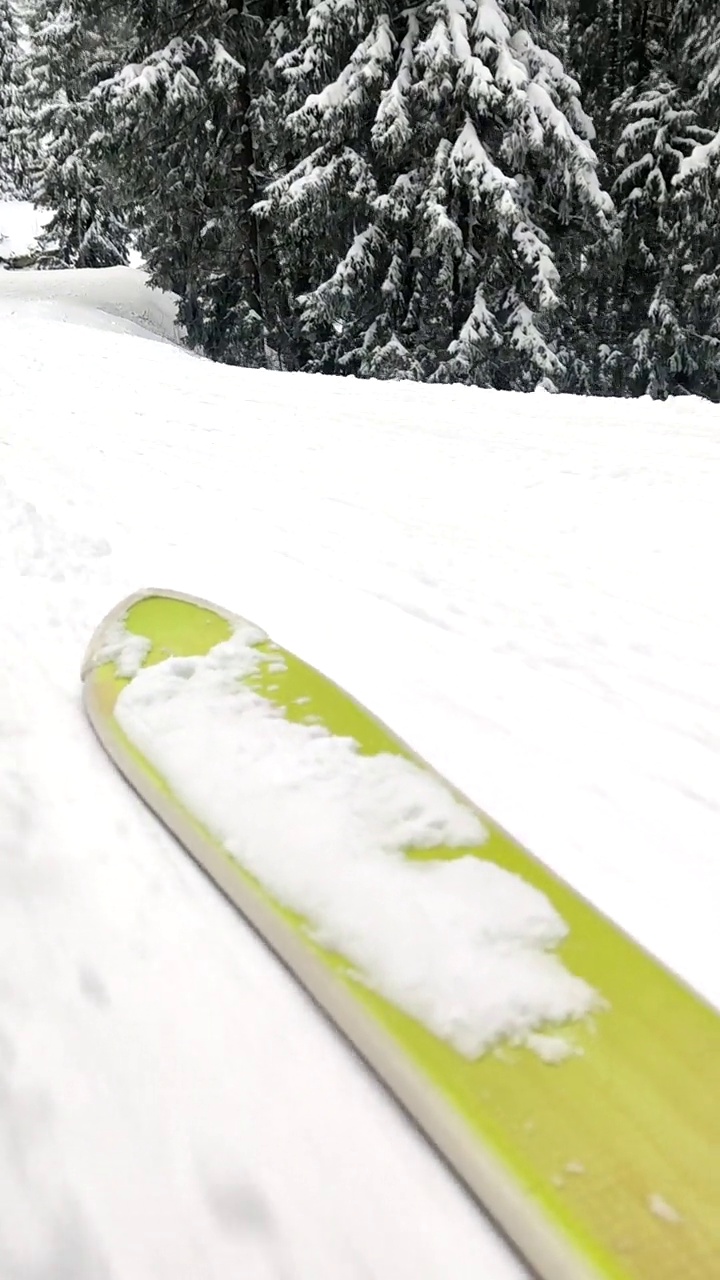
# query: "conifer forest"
516, 194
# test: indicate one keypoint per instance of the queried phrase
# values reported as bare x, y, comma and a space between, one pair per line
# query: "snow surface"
462, 946
20, 225
118, 297
523, 587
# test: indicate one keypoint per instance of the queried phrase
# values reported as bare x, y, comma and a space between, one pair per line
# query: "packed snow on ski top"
522, 586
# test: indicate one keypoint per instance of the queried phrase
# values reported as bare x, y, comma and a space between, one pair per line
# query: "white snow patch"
461, 945
660, 1208
127, 650
552, 1049
701, 157
20, 225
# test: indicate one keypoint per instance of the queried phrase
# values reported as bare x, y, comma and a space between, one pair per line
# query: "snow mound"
117, 298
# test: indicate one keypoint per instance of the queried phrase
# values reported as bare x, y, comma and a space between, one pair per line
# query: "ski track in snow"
523, 587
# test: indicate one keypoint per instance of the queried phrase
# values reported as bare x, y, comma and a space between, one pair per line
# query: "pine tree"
589, 45
695, 42
439, 179
179, 134
613, 45
659, 133
13, 175
628, 58
67, 60
695, 291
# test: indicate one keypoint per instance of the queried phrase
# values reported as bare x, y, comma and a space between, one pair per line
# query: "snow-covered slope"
117, 299
522, 586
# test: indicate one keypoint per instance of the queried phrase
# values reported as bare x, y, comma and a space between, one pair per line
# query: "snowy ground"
524, 587
20, 226
117, 298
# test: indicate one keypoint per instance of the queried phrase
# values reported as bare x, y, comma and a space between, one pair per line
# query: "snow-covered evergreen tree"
13, 171
696, 281
613, 45
440, 181
590, 47
695, 34
179, 133
67, 59
634, 60
661, 130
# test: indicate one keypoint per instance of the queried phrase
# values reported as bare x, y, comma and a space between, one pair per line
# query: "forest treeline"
508, 193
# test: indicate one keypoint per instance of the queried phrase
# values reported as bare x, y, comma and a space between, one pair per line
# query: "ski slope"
522, 586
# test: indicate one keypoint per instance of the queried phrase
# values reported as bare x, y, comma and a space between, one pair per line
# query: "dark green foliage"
444, 174
650, 70
178, 133
659, 132
68, 58
13, 171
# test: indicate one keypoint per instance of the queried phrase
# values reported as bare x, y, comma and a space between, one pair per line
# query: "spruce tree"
613, 45
67, 60
627, 56
179, 134
696, 280
13, 172
660, 131
439, 183
590, 46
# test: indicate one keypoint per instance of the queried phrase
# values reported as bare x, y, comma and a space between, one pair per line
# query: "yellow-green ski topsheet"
619, 1145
